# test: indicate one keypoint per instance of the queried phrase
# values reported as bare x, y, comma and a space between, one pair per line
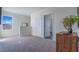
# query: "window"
7, 22
0, 14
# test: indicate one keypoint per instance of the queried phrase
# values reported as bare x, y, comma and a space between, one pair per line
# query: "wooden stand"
66, 42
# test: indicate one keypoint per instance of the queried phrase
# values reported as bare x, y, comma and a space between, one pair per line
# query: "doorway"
48, 27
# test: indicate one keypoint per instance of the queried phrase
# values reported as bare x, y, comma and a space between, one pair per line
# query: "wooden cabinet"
66, 42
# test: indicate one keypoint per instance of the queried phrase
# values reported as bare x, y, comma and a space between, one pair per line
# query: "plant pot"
70, 31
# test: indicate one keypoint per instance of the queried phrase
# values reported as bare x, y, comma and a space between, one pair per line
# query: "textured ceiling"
23, 10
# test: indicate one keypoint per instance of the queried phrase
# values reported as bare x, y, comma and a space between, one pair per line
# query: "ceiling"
23, 10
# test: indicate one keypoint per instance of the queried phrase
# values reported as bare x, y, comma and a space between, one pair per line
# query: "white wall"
17, 21
37, 20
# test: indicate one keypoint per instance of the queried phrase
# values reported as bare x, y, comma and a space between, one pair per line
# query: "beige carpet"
27, 44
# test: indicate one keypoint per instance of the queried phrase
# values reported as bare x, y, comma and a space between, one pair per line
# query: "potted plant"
69, 22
